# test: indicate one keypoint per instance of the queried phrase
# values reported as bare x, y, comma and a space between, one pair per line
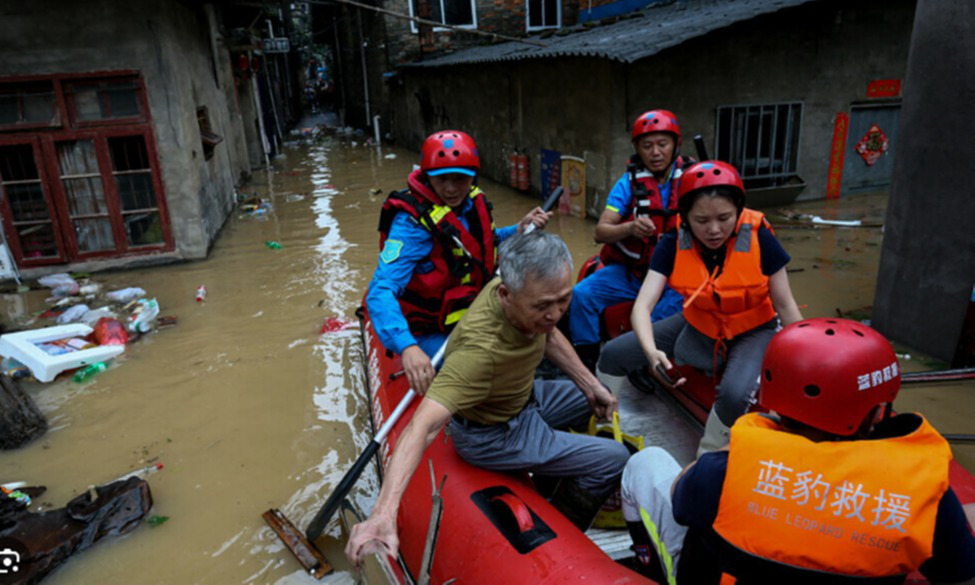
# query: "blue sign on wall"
614, 9
551, 170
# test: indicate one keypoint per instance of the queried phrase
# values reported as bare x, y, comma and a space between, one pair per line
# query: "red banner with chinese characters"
836, 155
884, 88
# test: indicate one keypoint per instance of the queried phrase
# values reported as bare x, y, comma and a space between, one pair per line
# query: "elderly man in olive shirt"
501, 418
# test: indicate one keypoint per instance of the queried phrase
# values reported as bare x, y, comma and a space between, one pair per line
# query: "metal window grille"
133, 178
761, 141
20, 183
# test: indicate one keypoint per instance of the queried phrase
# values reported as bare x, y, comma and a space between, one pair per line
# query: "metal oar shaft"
333, 502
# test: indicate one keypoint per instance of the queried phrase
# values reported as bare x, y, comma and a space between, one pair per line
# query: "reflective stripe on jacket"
463, 258
864, 508
635, 252
735, 299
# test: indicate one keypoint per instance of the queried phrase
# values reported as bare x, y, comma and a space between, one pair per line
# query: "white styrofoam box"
22, 346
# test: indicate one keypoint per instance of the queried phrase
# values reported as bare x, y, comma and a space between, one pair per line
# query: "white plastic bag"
73, 314
144, 316
125, 295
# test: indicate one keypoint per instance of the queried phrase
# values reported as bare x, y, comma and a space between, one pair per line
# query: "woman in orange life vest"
729, 267
439, 248
830, 489
640, 207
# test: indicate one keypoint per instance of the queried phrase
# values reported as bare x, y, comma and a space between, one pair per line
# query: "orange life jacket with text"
463, 258
736, 298
860, 508
635, 252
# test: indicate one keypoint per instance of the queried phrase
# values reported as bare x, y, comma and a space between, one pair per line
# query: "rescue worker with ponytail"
730, 270
439, 249
828, 488
641, 207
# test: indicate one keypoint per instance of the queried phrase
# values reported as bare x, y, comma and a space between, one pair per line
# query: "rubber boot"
576, 504
613, 383
545, 485
646, 560
589, 354
642, 380
716, 435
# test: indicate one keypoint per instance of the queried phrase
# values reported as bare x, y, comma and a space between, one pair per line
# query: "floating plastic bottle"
90, 371
16, 494
273, 245
201, 293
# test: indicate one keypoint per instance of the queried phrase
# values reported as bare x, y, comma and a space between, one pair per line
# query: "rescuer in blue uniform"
641, 207
439, 249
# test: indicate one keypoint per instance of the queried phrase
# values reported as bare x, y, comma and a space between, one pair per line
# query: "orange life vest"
635, 252
463, 258
863, 508
736, 299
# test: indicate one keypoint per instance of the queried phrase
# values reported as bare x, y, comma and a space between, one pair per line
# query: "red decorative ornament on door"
873, 145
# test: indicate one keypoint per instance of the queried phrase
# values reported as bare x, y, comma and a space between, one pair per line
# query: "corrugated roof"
637, 35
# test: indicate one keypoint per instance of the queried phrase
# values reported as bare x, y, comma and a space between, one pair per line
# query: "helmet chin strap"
888, 411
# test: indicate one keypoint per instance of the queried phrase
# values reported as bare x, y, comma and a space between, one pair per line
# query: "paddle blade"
310, 557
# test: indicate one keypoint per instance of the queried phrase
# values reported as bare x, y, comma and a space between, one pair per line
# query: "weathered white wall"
169, 43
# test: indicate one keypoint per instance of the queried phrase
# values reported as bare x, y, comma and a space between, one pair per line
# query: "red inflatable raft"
494, 528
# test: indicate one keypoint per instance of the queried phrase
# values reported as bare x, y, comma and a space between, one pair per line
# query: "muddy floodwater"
248, 406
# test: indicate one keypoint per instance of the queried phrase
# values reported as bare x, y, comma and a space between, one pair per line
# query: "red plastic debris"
110, 331
333, 324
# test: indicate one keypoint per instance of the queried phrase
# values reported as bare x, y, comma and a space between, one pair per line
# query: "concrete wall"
169, 44
927, 266
192, 72
823, 54
533, 105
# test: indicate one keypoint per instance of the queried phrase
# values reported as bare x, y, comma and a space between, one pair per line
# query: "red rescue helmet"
828, 374
656, 121
449, 151
708, 175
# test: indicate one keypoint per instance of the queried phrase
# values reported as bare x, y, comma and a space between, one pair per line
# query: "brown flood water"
248, 407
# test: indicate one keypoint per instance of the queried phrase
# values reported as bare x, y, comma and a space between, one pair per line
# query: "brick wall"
505, 17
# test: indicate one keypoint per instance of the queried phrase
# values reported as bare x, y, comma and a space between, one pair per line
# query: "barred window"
761, 141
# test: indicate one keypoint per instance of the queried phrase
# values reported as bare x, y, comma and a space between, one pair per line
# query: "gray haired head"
542, 255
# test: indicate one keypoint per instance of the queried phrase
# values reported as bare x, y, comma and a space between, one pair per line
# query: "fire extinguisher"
513, 167
523, 172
